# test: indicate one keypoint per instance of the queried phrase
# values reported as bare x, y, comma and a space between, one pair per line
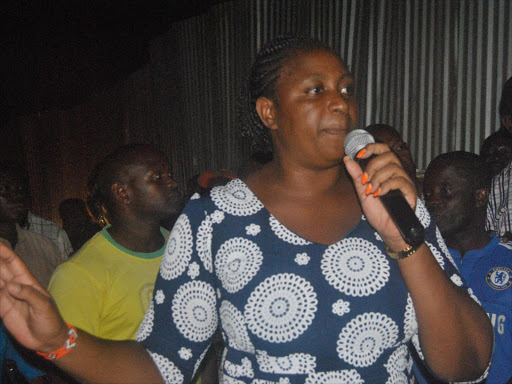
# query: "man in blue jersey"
456, 189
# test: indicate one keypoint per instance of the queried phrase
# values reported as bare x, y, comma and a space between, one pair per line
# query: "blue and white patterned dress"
290, 310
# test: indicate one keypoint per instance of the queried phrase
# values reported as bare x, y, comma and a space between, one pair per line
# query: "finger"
37, 302
12, 268
355, 171
404, 185
388, 171
374, 149
380, 161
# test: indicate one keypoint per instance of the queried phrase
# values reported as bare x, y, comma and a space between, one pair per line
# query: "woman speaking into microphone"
299, 264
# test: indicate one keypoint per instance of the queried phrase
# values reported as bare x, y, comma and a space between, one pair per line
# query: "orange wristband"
65, 349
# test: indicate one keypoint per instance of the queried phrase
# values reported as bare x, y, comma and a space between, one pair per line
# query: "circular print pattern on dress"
193, 310
422, 213
236, 199
365, 337
444, 248
239, 370
204, 243
355, 267
179, 249
146, 327
410, 322
236, 263
335, 377
281, 308
169, 371
400, 378
295, 363
285, 234
398, 362
437, 254
233, 324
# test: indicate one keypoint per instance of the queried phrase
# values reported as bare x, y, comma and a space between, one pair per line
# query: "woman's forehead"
306, 59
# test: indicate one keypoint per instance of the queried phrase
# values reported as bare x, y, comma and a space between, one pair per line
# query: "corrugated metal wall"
432, 68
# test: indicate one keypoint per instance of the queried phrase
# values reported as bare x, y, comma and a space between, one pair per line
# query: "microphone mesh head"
357, 140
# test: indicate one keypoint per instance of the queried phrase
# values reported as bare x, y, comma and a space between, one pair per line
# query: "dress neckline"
290, 231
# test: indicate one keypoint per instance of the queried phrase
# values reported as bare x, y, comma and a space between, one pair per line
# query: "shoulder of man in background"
51, 230
39, 254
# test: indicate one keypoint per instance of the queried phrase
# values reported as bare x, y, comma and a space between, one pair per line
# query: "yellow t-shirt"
105, 288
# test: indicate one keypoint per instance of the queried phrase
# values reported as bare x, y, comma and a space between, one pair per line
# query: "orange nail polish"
376, 193
364, 179
368, 189
361, 153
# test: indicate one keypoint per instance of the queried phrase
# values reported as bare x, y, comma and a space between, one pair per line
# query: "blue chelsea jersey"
488, 271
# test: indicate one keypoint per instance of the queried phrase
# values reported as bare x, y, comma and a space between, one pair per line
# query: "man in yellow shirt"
106, 287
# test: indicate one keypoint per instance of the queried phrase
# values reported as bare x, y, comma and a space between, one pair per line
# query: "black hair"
505, 108
262, 80
14, 173
73, 207
106, 173
470, 167
496, 139
376, 129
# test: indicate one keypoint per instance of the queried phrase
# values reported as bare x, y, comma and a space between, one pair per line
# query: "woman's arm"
30, 315
455, 333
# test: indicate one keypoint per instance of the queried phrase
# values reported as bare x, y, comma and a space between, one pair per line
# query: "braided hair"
108, 171
262, 82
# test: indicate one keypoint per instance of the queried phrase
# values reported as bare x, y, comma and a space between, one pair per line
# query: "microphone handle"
403, 216
401, 213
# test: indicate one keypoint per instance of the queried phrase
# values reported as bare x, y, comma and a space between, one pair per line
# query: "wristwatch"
403, 253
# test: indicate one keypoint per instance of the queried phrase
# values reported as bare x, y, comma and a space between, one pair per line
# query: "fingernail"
376, 193
364, 179
361, 153
368, 189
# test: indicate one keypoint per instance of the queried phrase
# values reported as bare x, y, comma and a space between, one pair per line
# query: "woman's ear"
266, 111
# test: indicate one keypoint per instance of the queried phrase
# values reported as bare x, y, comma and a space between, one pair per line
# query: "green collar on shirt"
142, 255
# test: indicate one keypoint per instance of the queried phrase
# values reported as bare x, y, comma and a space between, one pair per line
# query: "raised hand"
26, 308
382, 174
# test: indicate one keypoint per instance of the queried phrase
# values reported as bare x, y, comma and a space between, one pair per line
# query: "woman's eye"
347, 92
315, 90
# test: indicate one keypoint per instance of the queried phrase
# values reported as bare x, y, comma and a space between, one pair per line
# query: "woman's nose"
338, 103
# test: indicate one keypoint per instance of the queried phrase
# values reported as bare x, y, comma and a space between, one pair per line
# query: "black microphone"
394, 201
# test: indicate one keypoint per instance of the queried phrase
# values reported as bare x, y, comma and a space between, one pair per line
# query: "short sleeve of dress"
435, 242
182, 316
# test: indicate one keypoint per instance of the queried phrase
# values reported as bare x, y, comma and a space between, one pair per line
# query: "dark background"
81, 78
57, 53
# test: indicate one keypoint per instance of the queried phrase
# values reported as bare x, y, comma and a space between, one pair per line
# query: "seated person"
456, 190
